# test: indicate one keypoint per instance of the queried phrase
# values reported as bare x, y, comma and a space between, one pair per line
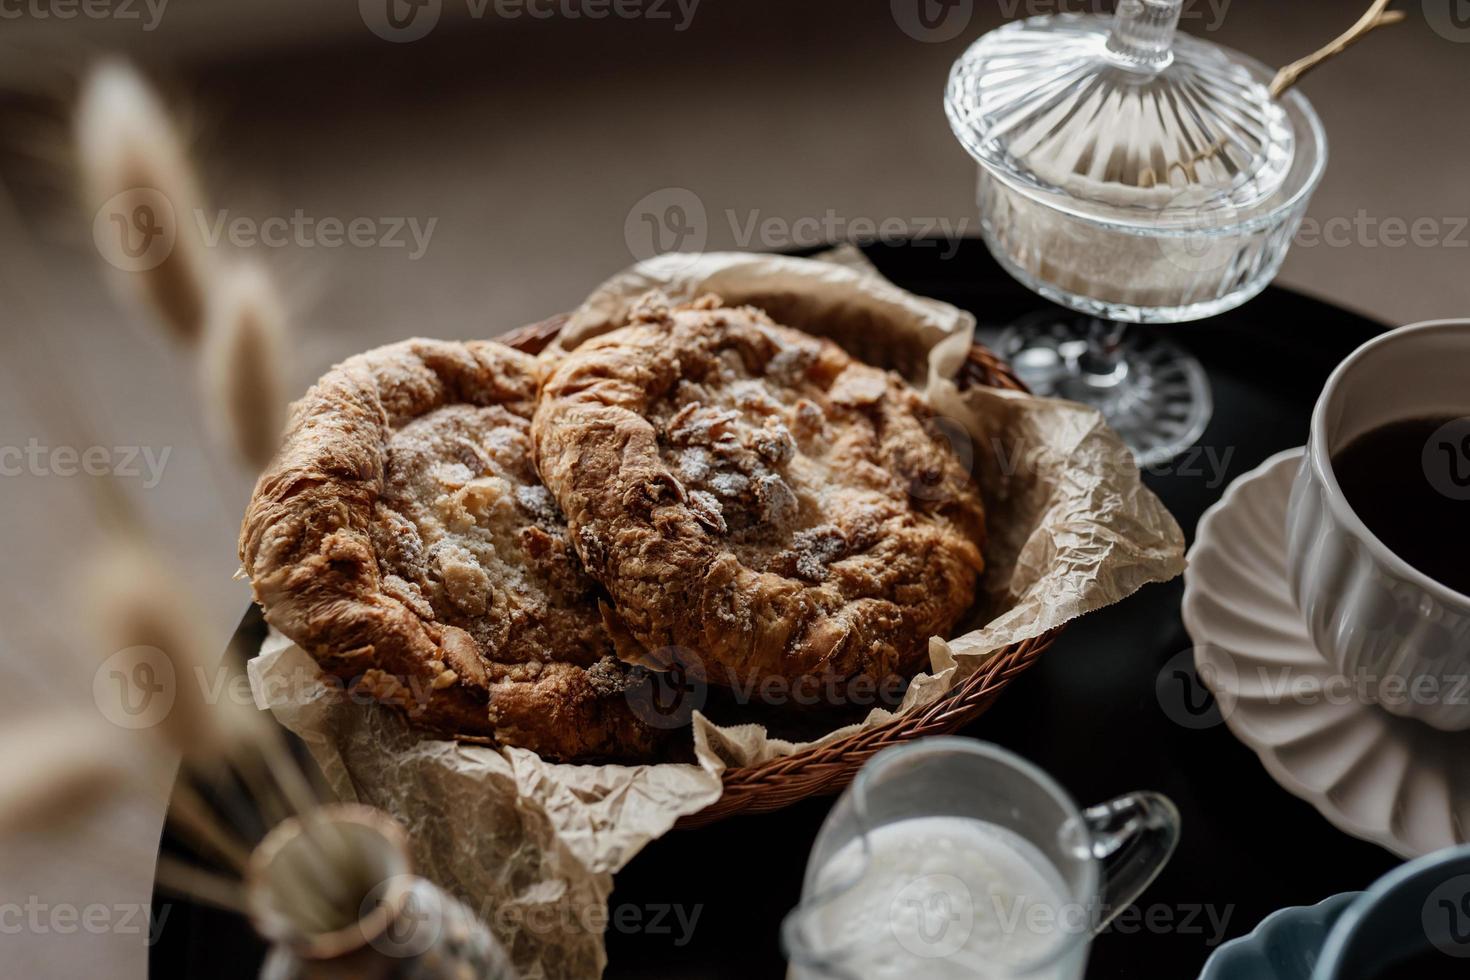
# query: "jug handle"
1132, 838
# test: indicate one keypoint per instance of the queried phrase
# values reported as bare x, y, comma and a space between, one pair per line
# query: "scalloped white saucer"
1393, 781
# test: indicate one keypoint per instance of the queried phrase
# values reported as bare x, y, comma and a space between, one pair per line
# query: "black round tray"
1088, 712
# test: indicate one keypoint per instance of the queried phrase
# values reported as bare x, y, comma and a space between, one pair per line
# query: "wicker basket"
830, 767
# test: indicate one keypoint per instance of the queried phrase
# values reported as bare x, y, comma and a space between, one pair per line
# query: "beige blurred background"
525, 150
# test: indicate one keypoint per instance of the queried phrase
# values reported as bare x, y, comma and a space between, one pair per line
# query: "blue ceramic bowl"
1285, 946
1400, 915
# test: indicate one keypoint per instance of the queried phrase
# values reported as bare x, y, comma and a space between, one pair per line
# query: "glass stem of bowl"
1142, 38
1100, 359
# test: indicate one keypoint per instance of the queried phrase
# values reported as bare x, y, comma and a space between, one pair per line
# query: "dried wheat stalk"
192, 816
194, 883
242, 362
70, 762
141, 607
143, 613
134, 168
130, 154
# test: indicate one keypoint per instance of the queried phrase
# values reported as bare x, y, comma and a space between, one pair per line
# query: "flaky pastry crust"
403, 539
755, 501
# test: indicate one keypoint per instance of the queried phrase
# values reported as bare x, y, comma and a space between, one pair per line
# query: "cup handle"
1133, 837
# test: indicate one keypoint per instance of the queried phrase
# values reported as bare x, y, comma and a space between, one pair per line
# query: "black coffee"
1409, 481
1430, 964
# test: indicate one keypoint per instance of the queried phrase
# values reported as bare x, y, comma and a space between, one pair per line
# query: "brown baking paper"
533, 845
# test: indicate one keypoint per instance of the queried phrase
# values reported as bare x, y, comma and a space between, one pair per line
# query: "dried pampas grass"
185, 880
242, 364
230, 314
144, 614
71, 762
138, 181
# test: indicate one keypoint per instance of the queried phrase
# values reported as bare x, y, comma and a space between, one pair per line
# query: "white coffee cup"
1400, 637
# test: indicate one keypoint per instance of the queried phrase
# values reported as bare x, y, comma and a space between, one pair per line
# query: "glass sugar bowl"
1133, 174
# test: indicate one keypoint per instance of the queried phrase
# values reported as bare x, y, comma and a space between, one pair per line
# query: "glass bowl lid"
1124, 120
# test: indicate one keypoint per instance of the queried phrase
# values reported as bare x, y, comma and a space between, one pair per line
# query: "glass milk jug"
950, 857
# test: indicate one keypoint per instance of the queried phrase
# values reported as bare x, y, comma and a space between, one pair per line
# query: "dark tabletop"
708, 903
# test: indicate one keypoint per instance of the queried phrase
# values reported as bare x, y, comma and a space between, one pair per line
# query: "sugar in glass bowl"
1134, 174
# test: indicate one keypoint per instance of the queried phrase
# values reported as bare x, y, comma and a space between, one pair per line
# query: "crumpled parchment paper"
533, 845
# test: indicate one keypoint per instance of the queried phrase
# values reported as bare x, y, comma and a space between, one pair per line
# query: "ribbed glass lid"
1112, 116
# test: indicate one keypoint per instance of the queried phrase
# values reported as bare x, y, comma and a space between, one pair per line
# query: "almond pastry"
403, 539
756, 502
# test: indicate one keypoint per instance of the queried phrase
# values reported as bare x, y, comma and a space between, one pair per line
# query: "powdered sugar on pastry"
403, 538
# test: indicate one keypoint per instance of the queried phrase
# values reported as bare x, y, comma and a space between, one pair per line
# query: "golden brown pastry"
403, 539
756, 502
